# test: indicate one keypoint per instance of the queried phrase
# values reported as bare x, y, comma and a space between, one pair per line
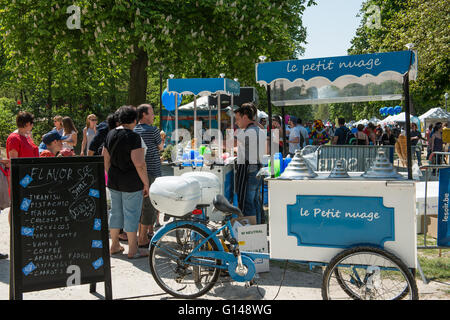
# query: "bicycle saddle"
222, 204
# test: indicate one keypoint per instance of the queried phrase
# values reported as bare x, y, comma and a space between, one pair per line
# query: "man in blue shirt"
154, 142
340, 135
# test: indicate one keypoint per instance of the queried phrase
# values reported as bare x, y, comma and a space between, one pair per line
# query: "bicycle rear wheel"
368, 273
183, 279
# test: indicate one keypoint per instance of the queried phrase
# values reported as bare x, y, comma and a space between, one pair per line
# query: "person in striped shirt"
154, 142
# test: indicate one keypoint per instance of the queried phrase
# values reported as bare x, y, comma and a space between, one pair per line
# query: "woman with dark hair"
19, 143
276, 125
361, 137
124, 156
71, 133
437, 144
428, 135
371, 134
388, 138
247, 182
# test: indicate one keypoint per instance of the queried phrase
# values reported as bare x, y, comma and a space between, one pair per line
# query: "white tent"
387, 120
400, 117
363, 121
202, 104
374, 120
434, 115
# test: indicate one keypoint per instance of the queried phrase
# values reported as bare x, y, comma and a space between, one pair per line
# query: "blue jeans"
419, 157
126, 210
252, 204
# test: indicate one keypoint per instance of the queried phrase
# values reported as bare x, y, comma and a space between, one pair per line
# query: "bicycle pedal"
250, 283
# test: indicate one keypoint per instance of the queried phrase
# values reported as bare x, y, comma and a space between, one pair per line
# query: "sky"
330, 25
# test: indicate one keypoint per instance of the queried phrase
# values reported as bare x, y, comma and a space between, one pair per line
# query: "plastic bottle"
187, 156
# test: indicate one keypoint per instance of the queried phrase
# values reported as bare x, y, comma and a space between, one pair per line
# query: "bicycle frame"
229, 260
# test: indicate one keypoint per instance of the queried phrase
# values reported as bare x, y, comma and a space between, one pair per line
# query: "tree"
422, 22
118, 40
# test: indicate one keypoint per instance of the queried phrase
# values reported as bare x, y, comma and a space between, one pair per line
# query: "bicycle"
187, 256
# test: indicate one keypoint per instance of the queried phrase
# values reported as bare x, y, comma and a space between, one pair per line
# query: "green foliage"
42, 62
422, 22
7, 120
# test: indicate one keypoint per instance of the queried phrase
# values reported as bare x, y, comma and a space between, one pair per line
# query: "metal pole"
219, 133
195, 122
160, 99
269, 104
176, 120
232, 120
283, 114
408, 123
210, 117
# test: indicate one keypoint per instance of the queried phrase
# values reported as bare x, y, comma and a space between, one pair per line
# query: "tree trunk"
137, 91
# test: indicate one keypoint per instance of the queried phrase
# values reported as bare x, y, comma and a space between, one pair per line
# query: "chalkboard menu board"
59, 224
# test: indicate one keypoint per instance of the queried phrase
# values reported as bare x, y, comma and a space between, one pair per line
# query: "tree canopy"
117, 52
425, 23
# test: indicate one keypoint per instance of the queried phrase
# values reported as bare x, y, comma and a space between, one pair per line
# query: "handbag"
5, 201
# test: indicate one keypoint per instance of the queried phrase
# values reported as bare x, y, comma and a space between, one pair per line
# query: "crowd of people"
130, 145
299, 135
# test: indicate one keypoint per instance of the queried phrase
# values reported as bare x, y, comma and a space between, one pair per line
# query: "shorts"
125, 210
149, 213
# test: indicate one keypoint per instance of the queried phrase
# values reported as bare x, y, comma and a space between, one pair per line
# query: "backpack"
349, 137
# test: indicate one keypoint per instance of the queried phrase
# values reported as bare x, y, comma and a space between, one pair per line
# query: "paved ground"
131, 279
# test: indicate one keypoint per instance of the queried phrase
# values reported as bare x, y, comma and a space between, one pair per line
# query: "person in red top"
53, 141
19, 143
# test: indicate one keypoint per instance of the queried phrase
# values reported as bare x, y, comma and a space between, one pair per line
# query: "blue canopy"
366, 77
203, 86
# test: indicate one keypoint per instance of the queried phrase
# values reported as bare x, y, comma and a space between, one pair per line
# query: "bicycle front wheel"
368, 273
177, 276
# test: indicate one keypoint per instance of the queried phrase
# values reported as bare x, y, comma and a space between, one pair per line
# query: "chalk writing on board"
59, 228
84, 183
82, 209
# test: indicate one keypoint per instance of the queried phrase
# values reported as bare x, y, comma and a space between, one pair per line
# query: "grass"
435, 263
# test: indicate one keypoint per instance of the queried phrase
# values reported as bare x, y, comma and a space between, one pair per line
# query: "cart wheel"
368, 273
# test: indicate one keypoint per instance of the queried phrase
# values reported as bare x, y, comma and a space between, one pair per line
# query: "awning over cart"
355, 78
203, 86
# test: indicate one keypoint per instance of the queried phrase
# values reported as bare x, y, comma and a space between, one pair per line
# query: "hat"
52, 136
293, 119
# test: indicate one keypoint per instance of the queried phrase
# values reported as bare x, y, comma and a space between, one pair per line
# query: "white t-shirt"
295, 133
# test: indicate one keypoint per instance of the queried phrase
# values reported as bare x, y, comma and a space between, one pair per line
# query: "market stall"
434, 115
190, 154
314, 216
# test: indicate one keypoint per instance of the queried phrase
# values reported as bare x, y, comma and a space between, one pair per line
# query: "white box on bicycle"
209, 184
175, 196
253, 238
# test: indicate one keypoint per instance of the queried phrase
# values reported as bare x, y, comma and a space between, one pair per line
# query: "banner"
443, 232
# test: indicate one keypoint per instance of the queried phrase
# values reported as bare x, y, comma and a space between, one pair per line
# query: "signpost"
443, 233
